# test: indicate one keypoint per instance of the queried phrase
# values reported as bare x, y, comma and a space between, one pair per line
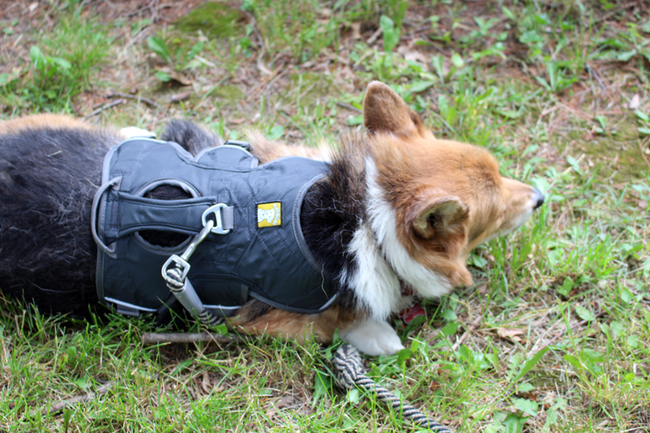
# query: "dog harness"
242, 222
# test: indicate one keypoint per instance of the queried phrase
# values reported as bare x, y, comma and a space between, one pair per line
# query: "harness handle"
93, 214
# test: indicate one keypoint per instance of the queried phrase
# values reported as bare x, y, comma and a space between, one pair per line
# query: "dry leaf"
285, 401
356, 30
175, 76
510, 334
180, 96
205, 383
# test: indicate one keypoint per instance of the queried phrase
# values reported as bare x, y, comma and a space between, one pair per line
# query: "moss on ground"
618, 155
213, 19
229, 93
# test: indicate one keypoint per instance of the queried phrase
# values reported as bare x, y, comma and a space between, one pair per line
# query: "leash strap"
350, 372
176, 268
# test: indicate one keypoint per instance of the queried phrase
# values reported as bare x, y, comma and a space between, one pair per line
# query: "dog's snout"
538, 198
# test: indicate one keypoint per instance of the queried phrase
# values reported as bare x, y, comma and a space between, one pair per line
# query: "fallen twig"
374, 36
473, 327
104, 107
81, 398
349, 107
136, 97
203, 337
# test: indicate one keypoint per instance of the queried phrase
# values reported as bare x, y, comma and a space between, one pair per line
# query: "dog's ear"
438, 217
385, 111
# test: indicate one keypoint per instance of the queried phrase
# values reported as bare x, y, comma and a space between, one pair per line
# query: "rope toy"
350, 372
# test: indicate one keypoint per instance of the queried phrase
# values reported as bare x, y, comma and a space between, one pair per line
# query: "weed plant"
60, 65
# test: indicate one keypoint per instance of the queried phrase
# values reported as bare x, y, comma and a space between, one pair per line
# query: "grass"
555, 334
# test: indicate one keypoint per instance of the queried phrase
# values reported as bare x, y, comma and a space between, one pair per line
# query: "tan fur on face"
448, 196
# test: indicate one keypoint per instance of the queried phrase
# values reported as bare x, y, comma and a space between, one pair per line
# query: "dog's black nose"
538, 197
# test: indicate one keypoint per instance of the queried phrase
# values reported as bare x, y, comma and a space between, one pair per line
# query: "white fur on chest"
382, 261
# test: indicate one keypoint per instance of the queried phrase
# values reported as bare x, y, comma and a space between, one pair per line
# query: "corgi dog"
394, 216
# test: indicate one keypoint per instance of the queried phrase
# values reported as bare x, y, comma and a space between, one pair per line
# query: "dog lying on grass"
394, 215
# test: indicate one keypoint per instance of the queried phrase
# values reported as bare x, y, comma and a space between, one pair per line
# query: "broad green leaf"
526, 406
641, 115
37, 57
323, 384
584, 313
617, 328
353, 396
276, 132
531, 363
525, 387
63, 63
403, 355
508, 13
566, 287
449, 329
575, 362
163, 76
514, 423
626, 56
417, 87
574, 164
355, 120
196, 49
592, 355
159, 47
448, 314
509, 114
457, 60
645, 27
391, 34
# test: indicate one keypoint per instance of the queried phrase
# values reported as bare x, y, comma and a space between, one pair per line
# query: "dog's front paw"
372, 337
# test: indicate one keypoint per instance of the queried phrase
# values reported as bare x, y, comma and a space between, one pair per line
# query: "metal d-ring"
218, 225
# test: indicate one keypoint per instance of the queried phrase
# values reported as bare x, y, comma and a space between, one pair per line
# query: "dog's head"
431, 201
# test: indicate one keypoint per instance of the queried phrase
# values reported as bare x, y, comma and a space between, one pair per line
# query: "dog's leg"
259, 318
372, 337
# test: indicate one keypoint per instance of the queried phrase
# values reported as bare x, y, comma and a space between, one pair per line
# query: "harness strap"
182, 216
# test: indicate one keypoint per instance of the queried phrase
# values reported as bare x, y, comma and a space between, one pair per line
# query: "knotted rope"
350, 372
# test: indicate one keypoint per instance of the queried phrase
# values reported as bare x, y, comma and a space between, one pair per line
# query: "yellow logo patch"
269, 214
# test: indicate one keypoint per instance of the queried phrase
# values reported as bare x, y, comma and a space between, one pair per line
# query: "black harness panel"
263, 255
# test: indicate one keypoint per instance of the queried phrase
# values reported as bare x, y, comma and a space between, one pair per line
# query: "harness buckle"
218, 223
176, 262
176, 268
243, 144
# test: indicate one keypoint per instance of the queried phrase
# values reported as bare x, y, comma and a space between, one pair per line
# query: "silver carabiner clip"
218, 224
181, 262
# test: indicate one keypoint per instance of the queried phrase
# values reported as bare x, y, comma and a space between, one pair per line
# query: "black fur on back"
48, 178
47, 181
192, 137
332, 211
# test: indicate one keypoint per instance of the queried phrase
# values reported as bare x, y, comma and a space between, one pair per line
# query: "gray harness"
245, 216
